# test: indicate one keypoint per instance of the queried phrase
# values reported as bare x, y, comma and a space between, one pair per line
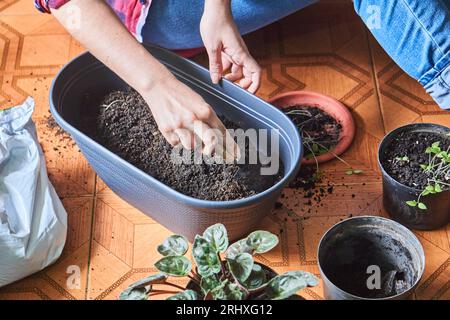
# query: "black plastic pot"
395, 194
351, 250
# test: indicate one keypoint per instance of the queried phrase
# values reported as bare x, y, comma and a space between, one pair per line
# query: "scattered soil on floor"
413, 146
306, 178
320, 132
349, 256
125, 125
314, 186
60, 140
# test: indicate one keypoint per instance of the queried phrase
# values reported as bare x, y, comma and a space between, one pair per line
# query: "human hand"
226, 48
182, 116
175, 107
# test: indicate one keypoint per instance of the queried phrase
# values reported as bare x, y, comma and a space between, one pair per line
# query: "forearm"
221, 5
103, 34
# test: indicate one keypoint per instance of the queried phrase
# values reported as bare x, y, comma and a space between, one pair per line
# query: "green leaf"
256, 279
209, 283
261, 241
424, 166
404, 158
434, 148
227, 291
349, 172
357, 171
239, 246
285, 285
178, 266
174, 245
217, 236
139, 290
206, 257
185, 295
411, 203
135, 294
429, 188
309, 156
422, 206
441, 154
311, 280
241, 266
315, 148
437, 187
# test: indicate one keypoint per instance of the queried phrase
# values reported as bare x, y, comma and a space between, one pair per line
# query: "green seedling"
316, 148
353, 171
402, 159
438, 172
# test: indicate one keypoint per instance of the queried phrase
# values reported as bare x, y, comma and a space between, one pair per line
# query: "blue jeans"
415, 33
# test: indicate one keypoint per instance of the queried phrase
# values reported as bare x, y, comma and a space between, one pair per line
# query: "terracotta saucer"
331, 106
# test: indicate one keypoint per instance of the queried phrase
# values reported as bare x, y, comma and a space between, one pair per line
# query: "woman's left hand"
226, 48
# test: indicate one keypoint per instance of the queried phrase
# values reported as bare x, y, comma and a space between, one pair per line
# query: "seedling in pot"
314, 146
223, 271
438, 172
402, 159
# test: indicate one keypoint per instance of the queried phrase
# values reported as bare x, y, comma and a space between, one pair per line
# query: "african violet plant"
438, 173
236, 276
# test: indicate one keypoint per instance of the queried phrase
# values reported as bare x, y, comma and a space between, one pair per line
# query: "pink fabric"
129, 11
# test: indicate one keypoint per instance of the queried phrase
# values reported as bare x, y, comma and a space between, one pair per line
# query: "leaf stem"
194, 279
174, 285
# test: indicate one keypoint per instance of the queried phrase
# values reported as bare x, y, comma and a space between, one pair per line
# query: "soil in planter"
127, 128
320, 132
412, 145
349, 257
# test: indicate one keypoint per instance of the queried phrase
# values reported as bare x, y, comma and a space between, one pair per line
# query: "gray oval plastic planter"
396, 194
370, 258
85, 78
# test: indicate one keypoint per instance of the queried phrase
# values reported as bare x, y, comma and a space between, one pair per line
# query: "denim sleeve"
416, 34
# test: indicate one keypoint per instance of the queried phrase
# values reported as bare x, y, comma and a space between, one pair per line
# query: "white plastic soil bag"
33, 222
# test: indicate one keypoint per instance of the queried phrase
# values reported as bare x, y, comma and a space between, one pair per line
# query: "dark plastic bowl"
395, 194
86, 77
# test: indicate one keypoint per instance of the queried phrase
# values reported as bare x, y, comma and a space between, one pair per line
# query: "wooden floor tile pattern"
323, 48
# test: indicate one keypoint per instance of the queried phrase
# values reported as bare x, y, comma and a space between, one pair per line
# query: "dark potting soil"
413, 146
125, 125
349, 257
320, 132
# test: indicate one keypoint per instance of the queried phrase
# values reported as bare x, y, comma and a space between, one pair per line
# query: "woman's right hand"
183, 117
